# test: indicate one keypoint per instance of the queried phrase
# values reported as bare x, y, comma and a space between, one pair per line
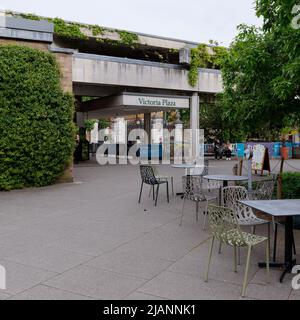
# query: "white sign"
258, 157
156, 102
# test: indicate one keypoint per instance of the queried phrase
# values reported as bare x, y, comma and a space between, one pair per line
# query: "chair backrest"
224, 225
231, 196
147, 174
155, 170
264, 189
201, 170
192, 187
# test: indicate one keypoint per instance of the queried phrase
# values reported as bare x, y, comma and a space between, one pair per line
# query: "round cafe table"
225, 179
188, 167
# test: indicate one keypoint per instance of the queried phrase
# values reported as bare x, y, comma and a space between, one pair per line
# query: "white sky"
194, 20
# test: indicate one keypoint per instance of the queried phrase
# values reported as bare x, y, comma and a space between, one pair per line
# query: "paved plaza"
92, 240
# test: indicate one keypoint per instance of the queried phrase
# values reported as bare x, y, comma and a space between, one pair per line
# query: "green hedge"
291, 185
36, 119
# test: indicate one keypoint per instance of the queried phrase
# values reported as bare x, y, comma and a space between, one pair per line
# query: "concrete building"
126, 73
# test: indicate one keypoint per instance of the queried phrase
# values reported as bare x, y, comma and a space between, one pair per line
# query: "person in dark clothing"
217, 150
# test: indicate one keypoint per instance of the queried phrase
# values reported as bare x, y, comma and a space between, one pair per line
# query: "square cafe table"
280, 208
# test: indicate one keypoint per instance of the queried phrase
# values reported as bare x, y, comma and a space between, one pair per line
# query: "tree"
261, 74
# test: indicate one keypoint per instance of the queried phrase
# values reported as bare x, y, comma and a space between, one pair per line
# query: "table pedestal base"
287, 267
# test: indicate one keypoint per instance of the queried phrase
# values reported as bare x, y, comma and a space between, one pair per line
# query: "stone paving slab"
91, 239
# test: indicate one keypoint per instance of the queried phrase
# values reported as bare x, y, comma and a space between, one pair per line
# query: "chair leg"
220, 248
269, 238
172, 184
205, 215
168, 198
209, 258
182, 211
268, 259
141, 192
246, 272
294, 245
273, 223
197, 211
157, 190
153, 192
235, 258
275, 242
239, 256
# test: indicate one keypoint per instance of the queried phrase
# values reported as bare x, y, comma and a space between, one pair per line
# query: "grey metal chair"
224, 226
158, 176
193, 190
148, 177
264, 191
201, 170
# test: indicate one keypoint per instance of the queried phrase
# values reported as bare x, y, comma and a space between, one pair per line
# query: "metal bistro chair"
264, 191
148, 177
201, 170
245, 215
163, 178
192, 190
225, 227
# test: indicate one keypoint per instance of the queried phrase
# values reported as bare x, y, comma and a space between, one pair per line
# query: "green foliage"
97, 30
291, 185
37, 131
276, 13
90, 124
103, 123
69, 30
259, 92
128, 38
205, 56
30, 16
73, 30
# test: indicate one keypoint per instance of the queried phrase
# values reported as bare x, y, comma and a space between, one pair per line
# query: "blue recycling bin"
240, 149
276, 150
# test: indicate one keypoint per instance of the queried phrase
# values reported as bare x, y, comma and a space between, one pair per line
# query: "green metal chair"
225, 228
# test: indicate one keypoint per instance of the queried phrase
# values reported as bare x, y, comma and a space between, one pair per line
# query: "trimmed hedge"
36, 119
291, 185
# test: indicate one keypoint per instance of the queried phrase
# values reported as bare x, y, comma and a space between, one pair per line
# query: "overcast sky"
194, 20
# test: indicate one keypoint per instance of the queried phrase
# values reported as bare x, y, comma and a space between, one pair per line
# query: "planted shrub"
36, 119
291, 185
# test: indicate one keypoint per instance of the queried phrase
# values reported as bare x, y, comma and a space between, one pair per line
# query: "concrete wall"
103, 70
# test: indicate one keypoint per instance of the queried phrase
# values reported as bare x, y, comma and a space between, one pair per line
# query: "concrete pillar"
194, 122
147, 125
80, 117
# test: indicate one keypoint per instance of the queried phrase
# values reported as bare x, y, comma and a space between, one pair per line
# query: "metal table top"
223, 177
276, 208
